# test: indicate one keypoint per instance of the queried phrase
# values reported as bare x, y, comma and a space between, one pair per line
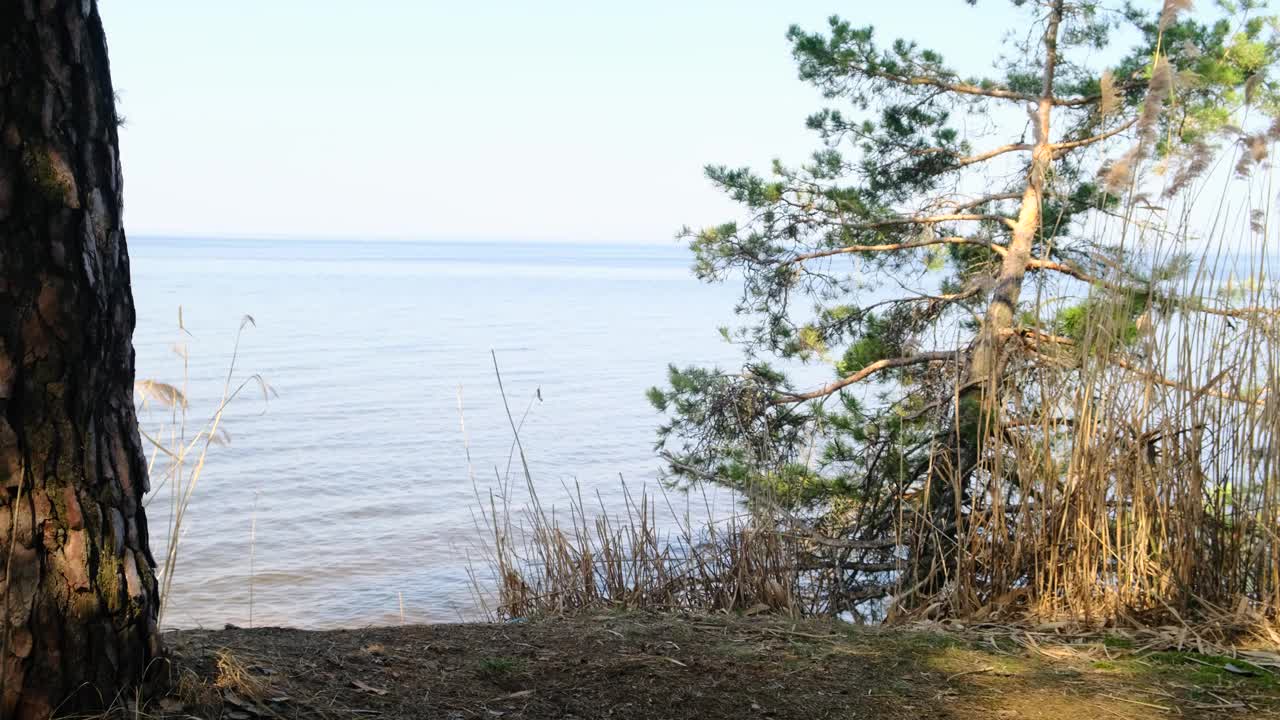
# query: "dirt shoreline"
703, 667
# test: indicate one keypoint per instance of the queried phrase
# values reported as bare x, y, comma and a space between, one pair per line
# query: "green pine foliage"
883, 256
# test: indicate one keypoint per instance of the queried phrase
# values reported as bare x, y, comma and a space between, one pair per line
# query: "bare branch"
1065, 269
1038, 336
1060, 149
868, 371
994, 152
979, 202
965, 294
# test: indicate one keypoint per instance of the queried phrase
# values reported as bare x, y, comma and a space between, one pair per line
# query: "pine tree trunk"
977, 409
985, 367
79, 589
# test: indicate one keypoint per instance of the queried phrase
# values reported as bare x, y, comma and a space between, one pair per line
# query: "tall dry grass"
180, 446
549, 563
647, 554
1130, 474
1133, 469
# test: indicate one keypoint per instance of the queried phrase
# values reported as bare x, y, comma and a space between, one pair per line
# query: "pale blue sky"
570, 120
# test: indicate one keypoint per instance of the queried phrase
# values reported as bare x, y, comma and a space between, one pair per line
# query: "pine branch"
959, 88
891, 247
1082, 100
947, 298
930, 220
911, 219
997, 93
967, 160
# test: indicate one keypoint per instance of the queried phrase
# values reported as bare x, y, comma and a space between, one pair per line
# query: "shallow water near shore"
349, 494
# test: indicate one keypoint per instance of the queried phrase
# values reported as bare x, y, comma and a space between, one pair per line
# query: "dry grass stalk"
1110, 96
177, 458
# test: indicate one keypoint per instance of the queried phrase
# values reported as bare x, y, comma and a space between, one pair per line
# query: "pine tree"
940, 270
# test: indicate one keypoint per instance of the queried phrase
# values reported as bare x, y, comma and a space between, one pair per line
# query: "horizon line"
186, 235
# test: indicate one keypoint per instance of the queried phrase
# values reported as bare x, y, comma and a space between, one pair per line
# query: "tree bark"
79, 588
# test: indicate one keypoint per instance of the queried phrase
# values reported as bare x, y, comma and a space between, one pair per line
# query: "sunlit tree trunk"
977, 399
985, 366
79, 589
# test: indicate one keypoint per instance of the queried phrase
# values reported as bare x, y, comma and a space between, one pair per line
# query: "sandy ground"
662, 666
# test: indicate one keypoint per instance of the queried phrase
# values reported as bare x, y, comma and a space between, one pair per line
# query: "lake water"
350, 492
355, 481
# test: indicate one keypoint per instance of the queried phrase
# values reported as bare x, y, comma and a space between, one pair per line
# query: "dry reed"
644, 555
1131, 477
178, 455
